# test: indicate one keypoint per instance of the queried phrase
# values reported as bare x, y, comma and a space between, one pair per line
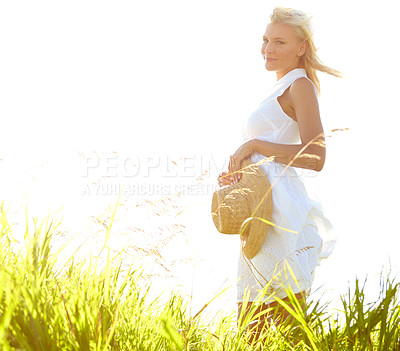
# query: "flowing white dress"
292, 209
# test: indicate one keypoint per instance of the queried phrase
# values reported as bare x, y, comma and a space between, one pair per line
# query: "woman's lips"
270, 59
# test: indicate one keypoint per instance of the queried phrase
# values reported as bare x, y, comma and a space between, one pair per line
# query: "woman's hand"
235, 161
233, 175
225, 179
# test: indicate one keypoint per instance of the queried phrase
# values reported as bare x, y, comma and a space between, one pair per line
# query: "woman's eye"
279, 42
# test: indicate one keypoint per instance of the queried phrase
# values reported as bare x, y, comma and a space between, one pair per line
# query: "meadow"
105, 304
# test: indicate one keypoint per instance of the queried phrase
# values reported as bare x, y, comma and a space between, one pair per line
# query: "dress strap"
287, 80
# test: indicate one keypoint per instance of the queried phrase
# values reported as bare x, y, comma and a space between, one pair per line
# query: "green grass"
104, 305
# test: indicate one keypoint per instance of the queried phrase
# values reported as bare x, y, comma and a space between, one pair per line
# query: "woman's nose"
268, 47
264, 48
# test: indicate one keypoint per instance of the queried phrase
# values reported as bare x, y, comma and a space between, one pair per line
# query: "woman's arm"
308, 157
310, 154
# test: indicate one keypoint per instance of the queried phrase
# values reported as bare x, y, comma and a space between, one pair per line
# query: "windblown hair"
301, 22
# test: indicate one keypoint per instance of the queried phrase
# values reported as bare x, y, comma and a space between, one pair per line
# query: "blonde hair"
301, 23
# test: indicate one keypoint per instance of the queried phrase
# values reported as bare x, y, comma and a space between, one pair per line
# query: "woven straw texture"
234, 204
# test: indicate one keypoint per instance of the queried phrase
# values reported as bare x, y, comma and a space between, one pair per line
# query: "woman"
287, 126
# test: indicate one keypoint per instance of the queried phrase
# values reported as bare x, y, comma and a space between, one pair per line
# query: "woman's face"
282, 49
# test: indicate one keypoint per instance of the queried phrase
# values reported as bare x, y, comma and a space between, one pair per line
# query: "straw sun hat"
232, 205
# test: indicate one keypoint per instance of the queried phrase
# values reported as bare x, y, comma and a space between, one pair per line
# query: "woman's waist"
269, 164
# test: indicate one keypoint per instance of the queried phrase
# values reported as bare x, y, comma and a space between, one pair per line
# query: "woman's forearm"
301, 155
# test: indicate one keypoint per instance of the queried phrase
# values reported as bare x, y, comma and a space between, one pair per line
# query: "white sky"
182, 76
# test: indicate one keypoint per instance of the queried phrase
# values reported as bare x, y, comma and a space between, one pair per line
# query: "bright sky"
181, 76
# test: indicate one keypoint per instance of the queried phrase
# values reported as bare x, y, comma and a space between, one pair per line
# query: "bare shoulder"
303, 88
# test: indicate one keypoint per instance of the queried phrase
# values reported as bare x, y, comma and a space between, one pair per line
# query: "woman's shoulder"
303, 87
303, 83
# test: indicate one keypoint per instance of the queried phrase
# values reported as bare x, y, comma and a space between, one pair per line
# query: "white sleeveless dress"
292, 209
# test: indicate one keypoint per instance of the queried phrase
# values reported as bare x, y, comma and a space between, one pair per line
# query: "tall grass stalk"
96, 305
